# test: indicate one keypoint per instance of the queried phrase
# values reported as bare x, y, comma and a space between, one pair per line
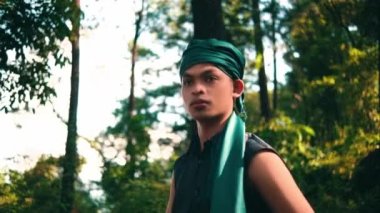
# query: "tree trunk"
208, 19
264, 98
273, 38
131, 101
71, 157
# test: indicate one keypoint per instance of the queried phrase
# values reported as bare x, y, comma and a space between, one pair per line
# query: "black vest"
193, 183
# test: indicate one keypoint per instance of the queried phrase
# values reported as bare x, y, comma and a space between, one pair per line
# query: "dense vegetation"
324, 120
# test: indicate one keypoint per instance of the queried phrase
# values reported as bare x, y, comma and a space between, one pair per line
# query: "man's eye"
210, 78
186, 82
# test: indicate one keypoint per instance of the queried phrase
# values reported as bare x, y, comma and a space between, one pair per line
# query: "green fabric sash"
228, 171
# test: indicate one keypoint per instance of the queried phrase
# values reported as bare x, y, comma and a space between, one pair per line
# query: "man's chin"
201, 116
205, 116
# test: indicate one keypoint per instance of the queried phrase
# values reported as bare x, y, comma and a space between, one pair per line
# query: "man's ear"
238, 88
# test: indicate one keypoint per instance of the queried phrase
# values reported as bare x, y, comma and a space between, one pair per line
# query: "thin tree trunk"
131, 101
264, 98
71, 157
208, 19
274, 17
138, 21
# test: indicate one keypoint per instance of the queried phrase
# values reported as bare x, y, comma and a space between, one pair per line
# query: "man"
225, 169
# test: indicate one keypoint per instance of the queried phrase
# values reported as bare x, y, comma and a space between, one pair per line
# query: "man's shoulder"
254, 142
255, 145
180, 161
181, 158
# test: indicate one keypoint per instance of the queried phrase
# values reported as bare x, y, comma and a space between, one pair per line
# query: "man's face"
207, 92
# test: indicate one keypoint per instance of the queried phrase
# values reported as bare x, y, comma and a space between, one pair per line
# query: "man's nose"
198, 88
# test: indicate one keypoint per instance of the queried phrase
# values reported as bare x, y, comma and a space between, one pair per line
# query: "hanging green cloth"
228, 192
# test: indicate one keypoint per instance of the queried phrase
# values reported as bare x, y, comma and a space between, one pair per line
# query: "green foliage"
134, 128
146, 192
139, 185
365, 182
131, 185
328, 116
143, 196
367, 19
166, 91
12, 196
333, 88
334, 167
84, 202
30, 32
291, 140
252, 107
333, 68
170, 21
38, 189
238, 20
326, 129
325, 173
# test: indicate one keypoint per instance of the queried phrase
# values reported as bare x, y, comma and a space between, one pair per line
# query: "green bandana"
228, 168
223, 55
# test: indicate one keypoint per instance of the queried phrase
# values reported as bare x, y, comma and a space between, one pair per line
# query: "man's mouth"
198, 104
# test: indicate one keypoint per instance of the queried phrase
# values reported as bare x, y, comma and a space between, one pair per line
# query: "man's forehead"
201, 69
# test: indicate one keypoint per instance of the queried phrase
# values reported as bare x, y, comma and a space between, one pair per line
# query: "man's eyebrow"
186, 75
207, 71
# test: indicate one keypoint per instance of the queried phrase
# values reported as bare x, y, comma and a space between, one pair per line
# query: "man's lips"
199, 103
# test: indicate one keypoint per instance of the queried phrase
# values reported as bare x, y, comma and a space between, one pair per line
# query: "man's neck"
207, 129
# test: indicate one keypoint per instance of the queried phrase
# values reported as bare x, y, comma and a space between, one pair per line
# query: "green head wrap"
223, 55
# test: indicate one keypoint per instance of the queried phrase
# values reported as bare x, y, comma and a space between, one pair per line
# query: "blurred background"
91, 119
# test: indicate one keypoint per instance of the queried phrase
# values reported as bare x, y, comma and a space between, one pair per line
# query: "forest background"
323, 118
